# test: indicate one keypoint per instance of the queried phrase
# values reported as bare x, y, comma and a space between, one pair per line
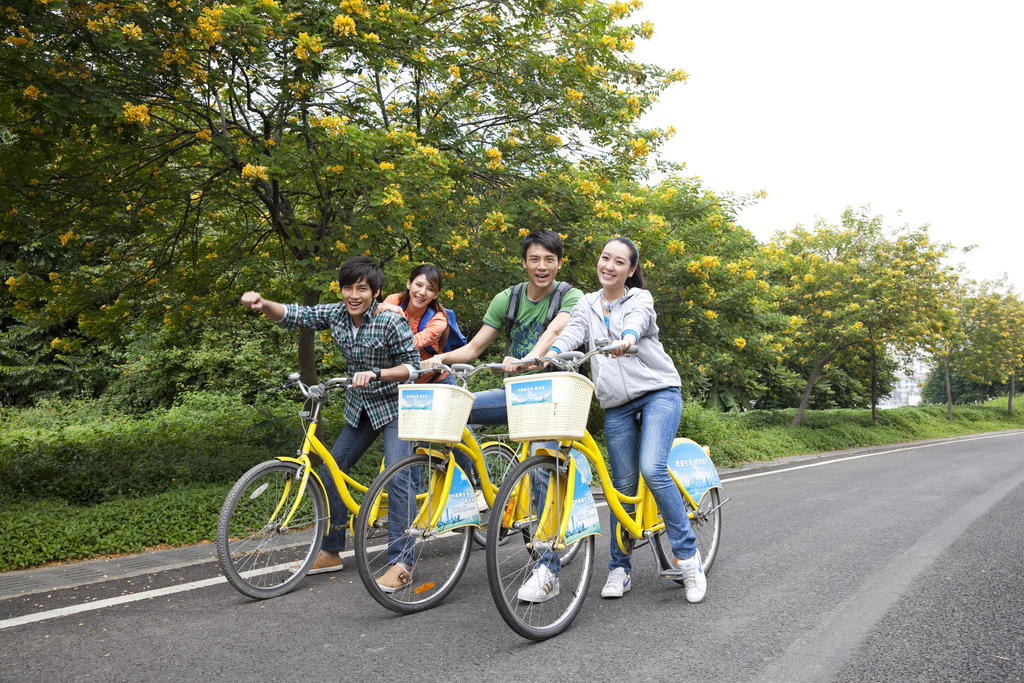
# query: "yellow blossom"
253, 171
31, 93
335, 287
740, 342
711, 314
137, 113
344, 25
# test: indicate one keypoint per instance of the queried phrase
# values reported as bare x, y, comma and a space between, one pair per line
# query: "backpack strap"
556, 301
515, 298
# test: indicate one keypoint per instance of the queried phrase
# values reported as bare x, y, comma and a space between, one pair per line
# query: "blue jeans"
632, 452
489, 409
347, 450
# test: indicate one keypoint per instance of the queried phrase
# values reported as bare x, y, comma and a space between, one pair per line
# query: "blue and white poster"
583, 520
582, 466
537, 391
460, 510
417, 399
692, 468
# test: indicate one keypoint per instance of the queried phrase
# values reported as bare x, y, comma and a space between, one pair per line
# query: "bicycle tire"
438, 561
706, 527
259, 559
500, 458
509, 565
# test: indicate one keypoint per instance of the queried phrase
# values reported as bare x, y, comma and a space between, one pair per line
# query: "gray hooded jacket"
620, 380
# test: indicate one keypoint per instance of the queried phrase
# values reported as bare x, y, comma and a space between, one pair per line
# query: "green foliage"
962, 387
39, 531
84, 457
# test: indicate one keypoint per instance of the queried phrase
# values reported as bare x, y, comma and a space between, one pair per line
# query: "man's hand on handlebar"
363, 379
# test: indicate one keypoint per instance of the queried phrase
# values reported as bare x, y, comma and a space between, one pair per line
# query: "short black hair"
548, 239
360, 268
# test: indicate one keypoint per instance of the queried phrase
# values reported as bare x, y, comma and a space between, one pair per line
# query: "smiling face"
421, 292
613, 266
541, 266
357, 298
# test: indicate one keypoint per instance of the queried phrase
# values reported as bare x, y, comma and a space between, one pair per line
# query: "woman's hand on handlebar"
618, 349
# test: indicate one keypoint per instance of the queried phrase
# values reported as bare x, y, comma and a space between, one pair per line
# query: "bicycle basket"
435, 412
549, 406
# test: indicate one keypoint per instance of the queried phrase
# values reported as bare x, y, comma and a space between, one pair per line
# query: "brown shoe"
324, 564
397, 576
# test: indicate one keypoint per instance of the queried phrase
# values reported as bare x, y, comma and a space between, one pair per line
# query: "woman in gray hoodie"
642, 404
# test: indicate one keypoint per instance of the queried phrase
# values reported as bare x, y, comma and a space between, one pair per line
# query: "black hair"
360, 268
433, 275
548, 239
637, 278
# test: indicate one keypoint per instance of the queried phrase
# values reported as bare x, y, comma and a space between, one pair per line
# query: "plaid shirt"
383, 341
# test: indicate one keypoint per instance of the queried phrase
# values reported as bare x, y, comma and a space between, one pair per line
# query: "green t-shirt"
530, 319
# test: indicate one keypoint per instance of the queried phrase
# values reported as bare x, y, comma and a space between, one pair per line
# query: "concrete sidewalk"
54, 577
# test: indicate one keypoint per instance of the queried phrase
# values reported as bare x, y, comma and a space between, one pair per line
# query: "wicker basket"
434, 412
549, 406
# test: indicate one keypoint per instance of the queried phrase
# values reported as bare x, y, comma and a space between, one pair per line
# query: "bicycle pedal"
671, 573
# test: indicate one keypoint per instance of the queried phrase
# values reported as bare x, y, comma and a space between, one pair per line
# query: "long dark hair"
637, 278
433, 275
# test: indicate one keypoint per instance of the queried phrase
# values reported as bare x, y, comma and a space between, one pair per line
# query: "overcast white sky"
912, 106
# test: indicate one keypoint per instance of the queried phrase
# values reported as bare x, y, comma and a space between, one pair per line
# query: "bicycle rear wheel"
393, 527
259, 557
523, 502
707, 527
500, 459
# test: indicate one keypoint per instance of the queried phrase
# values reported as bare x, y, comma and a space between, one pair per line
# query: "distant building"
907, 390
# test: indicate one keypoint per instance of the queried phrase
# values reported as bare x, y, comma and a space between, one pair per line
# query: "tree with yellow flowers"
993, 352
857, 284
188, 150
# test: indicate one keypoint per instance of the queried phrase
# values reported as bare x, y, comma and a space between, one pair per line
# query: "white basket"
433, 412
550, 406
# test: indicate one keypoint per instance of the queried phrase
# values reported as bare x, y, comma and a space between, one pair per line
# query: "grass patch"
768, 434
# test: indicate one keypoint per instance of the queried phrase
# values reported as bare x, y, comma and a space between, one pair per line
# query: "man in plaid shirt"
379, 352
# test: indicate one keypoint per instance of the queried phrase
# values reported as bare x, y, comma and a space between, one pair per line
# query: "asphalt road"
901, 565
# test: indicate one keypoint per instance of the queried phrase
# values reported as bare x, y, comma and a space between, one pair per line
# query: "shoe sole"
324, 570
391, 589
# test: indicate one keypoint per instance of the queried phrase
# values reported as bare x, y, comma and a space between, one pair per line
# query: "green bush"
37, 532
85, 458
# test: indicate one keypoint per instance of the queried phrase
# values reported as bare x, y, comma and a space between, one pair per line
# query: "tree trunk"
1013, 380
949, 392
874, 385
307, 353
808, 389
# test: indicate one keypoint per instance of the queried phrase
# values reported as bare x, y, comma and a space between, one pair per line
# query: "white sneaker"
618, 583
693, 577
540, 587
481, 502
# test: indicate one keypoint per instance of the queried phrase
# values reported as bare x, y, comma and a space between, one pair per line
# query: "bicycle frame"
642, 521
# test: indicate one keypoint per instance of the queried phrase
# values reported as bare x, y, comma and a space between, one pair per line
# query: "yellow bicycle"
427, 507
275, 516
546, 501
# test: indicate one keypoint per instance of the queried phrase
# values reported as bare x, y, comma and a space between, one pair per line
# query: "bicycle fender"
316, 475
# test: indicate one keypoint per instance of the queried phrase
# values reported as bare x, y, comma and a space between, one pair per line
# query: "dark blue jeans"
350, 446
633, 451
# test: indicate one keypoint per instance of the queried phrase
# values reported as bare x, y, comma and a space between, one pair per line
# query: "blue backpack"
455, 336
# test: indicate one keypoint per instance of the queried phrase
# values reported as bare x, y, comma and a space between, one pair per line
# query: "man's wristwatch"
376, 371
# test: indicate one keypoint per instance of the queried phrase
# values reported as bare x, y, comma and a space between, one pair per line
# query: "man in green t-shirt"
529, 338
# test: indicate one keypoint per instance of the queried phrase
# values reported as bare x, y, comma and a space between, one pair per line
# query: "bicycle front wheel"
500, 459
531, 499
402, 561
259, 557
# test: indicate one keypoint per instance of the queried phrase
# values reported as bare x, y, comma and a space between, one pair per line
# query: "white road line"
109, 602
170, 590
865, 455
